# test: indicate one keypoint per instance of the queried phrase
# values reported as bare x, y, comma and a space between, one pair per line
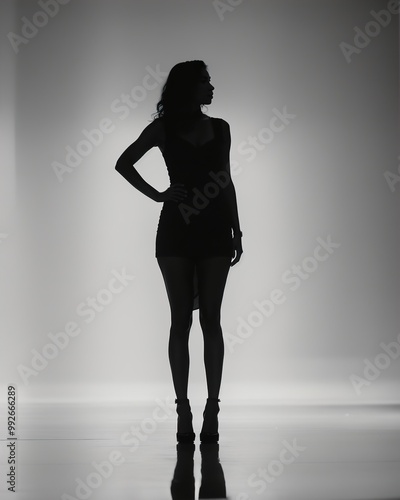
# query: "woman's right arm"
149, 138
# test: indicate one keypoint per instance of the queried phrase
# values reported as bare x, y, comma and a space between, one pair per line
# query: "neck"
186, 116
189, 113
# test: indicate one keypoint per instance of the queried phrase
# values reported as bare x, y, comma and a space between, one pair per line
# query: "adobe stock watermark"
362, 37
254, 144
201, 198
134, 438
277, 124
391, 178
260, 479
294, 277
373, 369
223, 6
251, 146
30, 27
88, 309
121, 106
220, 180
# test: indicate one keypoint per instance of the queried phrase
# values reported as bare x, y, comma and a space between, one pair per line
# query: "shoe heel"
183, 408
210, 437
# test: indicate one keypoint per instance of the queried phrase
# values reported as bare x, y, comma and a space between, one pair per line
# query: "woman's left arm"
229, 190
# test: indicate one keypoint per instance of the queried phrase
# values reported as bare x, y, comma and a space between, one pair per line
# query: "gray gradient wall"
310, 90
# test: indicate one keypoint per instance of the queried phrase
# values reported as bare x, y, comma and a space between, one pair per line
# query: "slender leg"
212, 274
178, 277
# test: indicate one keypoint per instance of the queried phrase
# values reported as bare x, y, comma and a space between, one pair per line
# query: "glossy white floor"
128, 452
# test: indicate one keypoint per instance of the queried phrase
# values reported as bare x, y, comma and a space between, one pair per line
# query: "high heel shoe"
209, 432
184, 413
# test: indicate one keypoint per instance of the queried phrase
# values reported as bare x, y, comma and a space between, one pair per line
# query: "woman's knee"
209, 320
181, 324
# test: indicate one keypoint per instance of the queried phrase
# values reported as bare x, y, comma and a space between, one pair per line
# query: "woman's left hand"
237, 248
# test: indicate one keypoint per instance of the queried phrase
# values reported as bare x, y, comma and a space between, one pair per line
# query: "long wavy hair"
178, 91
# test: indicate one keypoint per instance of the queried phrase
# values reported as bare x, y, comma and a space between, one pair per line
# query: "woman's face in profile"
203, 93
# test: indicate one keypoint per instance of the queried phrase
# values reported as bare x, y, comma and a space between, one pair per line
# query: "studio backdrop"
310, 91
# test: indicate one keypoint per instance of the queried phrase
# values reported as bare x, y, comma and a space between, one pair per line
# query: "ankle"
184, 425
181, 400
212, 403
183, 407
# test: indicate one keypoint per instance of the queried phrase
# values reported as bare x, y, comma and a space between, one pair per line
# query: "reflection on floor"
128, 452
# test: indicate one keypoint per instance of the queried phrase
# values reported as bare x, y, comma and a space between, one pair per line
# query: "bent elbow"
120, 166
124, 163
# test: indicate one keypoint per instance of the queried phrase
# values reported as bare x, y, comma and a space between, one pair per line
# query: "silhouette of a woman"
194, 241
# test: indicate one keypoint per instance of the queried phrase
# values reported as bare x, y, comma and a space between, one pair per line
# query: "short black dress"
199, 226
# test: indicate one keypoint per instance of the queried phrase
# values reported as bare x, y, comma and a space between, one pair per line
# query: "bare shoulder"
154, 132
151, 136
224, 124
225, 129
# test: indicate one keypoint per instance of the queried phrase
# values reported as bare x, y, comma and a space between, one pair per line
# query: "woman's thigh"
178, 274
212, 273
